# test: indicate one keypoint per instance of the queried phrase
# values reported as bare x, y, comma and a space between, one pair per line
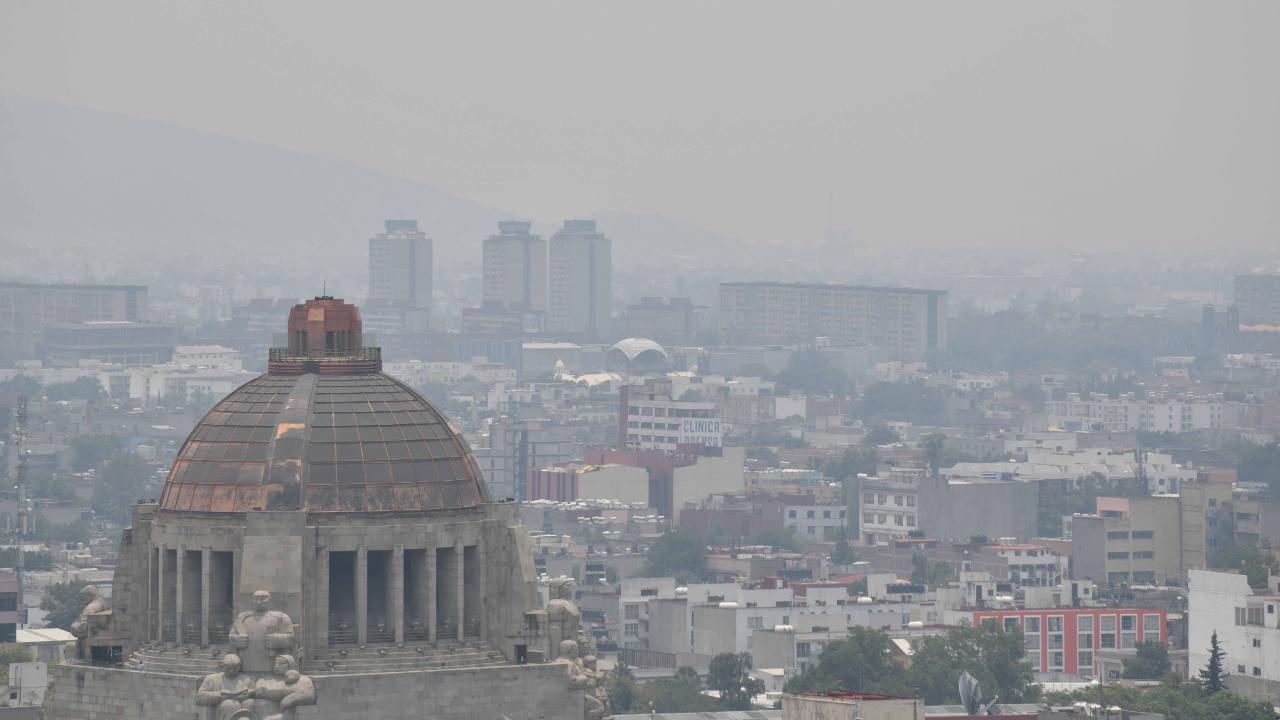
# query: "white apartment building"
1127, 414
418, 373
815, 522
1247, 622
656, 421
886, 507
1036, 565
214, 357
906, 322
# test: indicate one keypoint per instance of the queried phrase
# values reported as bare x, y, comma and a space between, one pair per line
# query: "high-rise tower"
515, 269
581, 280
400, 272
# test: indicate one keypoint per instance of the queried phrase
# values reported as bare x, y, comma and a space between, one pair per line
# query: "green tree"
23, 385
940, 574
1261, 464
919, 568
880, 434
933, 446
912, 401
1058, 499
90, 451
1213, 678
62, 602
621, 687
781, 538
858, 663
1256, 563
679, 693
992, 656
1151, 662
121, 482
810, 372
730, 675
85, 388
679, 552
843, 553
1175, 699
34, 560
10, 653
851, 462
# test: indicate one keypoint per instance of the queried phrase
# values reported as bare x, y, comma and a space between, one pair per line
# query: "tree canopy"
1175, 699
90, 451
680, 552
84, 388
1150, 663
62, 603
862, 663
813, 374
121, 482
730, 675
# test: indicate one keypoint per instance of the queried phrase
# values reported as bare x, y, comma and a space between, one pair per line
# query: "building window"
1257, 671
1151, 626
1118, 535
1143, 535
1128, 632
1143, 554
1011, 624
1257, 642
809, 514
791, 514
869, 498
1240, 616
633, 612
1118, 556
632, 628
1107, 636
1240, 670
755, 623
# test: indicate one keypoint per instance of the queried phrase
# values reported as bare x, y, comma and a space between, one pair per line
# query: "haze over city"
591, 361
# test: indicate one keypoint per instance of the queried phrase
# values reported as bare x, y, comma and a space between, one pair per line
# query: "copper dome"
323, 443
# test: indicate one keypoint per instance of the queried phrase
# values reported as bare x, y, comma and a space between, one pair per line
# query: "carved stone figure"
602, 692
563, 618
229, 693
261, 634
285, 690
93, 619
581, 679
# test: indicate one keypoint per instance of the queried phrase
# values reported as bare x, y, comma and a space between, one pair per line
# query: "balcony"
283, 361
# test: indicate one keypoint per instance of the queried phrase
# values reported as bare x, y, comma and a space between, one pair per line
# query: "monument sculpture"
265, 638
564, 620
228, 692
580, 678
262, 633
92, 621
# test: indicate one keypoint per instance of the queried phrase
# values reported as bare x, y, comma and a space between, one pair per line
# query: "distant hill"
137, 197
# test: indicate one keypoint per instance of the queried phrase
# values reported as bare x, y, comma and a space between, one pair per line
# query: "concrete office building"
1258, 299
1247, 621
514, 269
905, 322
131, 344
580, 281
27, 309
400, 273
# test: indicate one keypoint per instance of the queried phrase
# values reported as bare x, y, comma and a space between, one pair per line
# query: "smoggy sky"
1064, 123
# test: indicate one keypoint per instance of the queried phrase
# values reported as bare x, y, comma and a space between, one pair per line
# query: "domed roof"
325, 444
633, 347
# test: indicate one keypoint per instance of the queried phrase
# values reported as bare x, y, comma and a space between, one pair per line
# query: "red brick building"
1067, 640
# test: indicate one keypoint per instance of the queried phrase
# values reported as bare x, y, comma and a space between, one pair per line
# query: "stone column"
321, 623
179, 597
430, 580
160, 595
152, 606
206, 573
397, 592
482, 602
362, 595
460, 586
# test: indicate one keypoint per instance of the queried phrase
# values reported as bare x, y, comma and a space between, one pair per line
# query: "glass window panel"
1084, 623
256, 452
1151, 622
322, 434
215, 451
418, 449
349, 452
374, 451
392, 432
369, 433
322, 420
228, 473
320, 452
323, 474
1108, 623
344, 419
402, 472
350, 473
398, 451
424, 471
234, 452
456, 469
347, 434
377, 473
242, 434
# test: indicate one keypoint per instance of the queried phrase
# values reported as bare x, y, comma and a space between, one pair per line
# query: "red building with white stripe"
1066, 640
